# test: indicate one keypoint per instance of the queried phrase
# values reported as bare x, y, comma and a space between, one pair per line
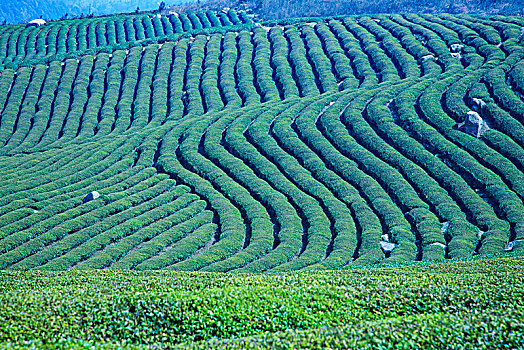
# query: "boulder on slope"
473, 124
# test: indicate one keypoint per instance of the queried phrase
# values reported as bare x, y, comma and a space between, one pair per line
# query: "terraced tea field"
220, 144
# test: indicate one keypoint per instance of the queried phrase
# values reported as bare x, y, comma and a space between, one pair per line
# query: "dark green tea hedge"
221, 144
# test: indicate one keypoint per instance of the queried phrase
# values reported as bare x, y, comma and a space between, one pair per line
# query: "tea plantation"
207, 141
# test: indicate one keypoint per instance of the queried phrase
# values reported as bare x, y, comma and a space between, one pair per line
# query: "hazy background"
277, 9
19, 11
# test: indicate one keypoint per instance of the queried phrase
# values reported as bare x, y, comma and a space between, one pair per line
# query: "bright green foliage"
458, 305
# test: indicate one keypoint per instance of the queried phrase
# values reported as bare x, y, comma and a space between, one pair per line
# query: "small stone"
478, 102
36, 23
444, 228
480, 234
509, 246
456, 47
439, 244
387, 246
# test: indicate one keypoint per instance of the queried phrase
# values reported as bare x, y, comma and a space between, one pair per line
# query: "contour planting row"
295, 188
112, 92
441, 219
49, 220
307, 146
68, 38
290, 179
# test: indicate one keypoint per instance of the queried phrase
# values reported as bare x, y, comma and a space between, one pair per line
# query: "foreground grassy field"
467, 304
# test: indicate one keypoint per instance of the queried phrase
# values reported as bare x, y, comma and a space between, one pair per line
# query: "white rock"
444, 228
387, 246
480, 234
438, 244
473, 124
509, 247
456, 47
479, 102
36, 23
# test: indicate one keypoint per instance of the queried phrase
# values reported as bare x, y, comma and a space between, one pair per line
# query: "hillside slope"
221, 144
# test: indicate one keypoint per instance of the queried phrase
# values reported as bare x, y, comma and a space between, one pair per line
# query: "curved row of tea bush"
296, 146
46, 225
70, 38
79, 98
49, 105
